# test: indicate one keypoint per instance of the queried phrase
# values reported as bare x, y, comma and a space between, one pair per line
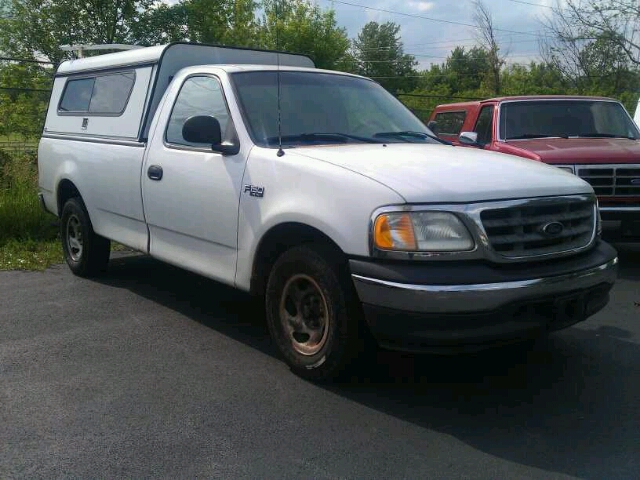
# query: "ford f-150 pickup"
321, 194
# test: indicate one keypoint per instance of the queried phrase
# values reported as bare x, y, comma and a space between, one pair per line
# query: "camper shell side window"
100, 94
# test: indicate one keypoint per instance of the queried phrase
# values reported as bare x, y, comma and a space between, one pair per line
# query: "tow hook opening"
568, 310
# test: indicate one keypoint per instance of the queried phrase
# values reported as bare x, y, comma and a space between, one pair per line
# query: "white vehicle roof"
231, 68
189, 54
110, 60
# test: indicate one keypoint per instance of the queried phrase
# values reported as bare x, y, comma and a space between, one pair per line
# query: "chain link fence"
25, 88
22, 114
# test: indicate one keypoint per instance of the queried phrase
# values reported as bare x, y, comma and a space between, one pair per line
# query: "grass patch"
30, 254
28, 239
20, 139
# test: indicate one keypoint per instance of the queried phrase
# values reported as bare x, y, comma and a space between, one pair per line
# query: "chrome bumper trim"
476, 297
620, 209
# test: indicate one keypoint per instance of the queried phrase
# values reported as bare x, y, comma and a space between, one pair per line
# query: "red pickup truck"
593, 137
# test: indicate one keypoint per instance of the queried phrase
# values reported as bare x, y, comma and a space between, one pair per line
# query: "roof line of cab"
525, 98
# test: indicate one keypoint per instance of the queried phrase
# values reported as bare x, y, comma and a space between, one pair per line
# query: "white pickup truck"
321, 194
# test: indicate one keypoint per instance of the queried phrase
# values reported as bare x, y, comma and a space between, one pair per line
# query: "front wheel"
86, 253
311, 314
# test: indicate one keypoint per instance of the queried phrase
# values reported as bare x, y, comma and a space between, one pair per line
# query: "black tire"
90, 256
319, 268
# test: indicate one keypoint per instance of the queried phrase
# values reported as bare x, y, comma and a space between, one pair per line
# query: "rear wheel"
86, 253
312, 315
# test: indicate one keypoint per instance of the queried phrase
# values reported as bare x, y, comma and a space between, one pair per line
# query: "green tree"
463, 72
39, 27
226, 22
537, 78
597, 66
162, 24
303, 27
576, 21
607, 67
596, 46
379, 53
23, 98
5, 9
467, 69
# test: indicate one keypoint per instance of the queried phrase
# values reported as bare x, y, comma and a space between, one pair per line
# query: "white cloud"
421, 5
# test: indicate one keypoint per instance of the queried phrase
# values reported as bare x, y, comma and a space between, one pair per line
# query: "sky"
426, 34
431, 41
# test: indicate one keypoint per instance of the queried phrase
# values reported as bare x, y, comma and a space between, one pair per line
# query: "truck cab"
593, 137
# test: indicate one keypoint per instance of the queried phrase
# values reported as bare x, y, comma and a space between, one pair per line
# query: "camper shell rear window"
101, 94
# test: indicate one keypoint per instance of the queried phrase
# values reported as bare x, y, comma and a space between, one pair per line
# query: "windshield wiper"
537, 135
333, 136
403, 134
606, 135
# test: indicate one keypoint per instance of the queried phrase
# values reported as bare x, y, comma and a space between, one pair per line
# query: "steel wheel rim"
304, 314
74, 238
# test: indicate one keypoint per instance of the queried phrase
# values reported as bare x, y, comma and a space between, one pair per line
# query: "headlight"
421, 231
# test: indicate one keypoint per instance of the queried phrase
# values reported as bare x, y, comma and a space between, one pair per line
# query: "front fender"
336, 201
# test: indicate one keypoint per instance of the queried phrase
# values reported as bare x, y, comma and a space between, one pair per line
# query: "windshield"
565, 118
324, 108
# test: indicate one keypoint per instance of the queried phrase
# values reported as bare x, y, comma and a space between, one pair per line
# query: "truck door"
191, 193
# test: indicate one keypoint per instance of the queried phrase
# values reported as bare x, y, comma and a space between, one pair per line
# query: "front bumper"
621, 222
619, 212
483, 305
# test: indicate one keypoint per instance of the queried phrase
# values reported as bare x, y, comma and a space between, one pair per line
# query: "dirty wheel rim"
74, 238
304, 314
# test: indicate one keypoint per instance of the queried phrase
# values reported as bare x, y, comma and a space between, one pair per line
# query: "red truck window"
450, 123
564, 118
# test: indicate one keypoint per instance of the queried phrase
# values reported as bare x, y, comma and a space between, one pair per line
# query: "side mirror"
433, 126
469, 138
202, 129
206, 129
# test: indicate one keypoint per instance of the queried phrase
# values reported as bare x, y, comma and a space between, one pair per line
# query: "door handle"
155, 172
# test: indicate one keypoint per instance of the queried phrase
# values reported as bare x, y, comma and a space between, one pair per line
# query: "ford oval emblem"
635, 181
553, 229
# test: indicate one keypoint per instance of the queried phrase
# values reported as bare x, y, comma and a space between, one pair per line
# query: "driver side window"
201, 95
484, 125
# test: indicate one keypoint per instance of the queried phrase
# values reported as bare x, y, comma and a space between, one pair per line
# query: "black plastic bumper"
466, 307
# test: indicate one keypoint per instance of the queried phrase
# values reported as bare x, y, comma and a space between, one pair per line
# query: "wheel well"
66, 190
279, 239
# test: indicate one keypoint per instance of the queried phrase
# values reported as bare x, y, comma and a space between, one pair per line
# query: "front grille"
519, 231
612, 181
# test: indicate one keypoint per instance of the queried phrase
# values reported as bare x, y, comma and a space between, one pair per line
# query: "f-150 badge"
254, 190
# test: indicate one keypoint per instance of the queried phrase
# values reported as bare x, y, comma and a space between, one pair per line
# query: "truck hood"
579, 150
440, 173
